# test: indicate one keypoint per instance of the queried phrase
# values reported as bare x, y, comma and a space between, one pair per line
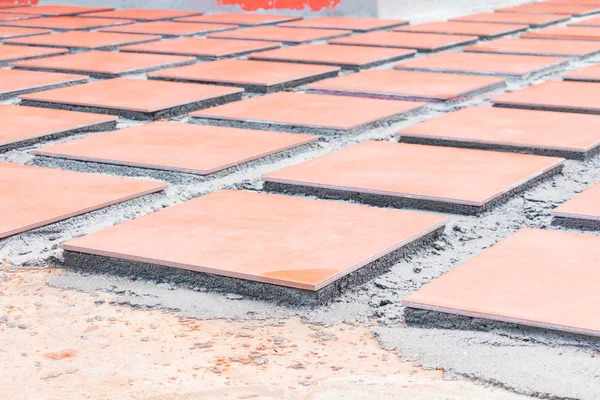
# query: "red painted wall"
253, 5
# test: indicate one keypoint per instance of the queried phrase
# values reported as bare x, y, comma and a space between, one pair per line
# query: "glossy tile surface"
281, 240
408, 84
309, 110
14, 53
279, 34
353, 24
483, 29
564, 9
83, 40
533, 20
169, 28
12, 80
556, 48
406, 40
177, 147
14, 32
66, 23
56, 10
587, 74
31, 197
566, 32
240, 19
443, 174
585, 205
145, 14
528, 279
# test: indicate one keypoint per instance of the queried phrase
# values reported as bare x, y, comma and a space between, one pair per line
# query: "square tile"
14, 82
105, 64
178, 147
591, 22
562, 9
55, 11
145, 14
533, 20
65, 23
353, 24
537, 47
410, 175
240, 19
410, 85
566, 32
202, 48
11, 17
306, 244
526, 279
484, 64
347, 57
134, 98
170, 28
483, 29
7, 5
22, 126
7, 32
279, 34
578, 97
77, 40
539, 132
253, 76
584, 207
310, 112
19, 53
406, 40
33, 196
587, 74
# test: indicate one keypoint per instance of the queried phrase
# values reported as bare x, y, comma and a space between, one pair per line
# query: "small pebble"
145, 339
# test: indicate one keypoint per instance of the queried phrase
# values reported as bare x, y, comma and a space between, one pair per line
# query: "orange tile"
170, 28
177, 147
136, 98
584, 206
21, 125
18, 53
574, 10
537, 47
588, 74
353, 24
279, 34
483, 29
14, 82
10, 16
241, 19
12, 32
484, 64
83, 40
66, 23
309, 111
593, 22
6, 6
346, 57
306, 244
566, 32
406, 40
202, 48
55, 11
389, 83
145, 14
527, 279
256, 76
533, 20
105, 63
31, 197
555, 96
422, 174
542, 132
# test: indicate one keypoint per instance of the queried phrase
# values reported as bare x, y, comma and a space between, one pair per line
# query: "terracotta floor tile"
483, 29
566, 32
565, 96
309, 111
584, 206
145, 14
14, 82
65, 23
31, 197
406, 40
7, 32
574, 10
23, 125
537, 47
540, 278
484, 64
255, 76
241, 19
202, 48
389, 83
177, 147
588, 74
541, 132
18, 53
6, 6
307, 244
135, 98
533, 20
170, 28
593, 22
104, 64
353, 24
56, 11
11, 17
83, 40
439, 178
347, 57
279, 34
